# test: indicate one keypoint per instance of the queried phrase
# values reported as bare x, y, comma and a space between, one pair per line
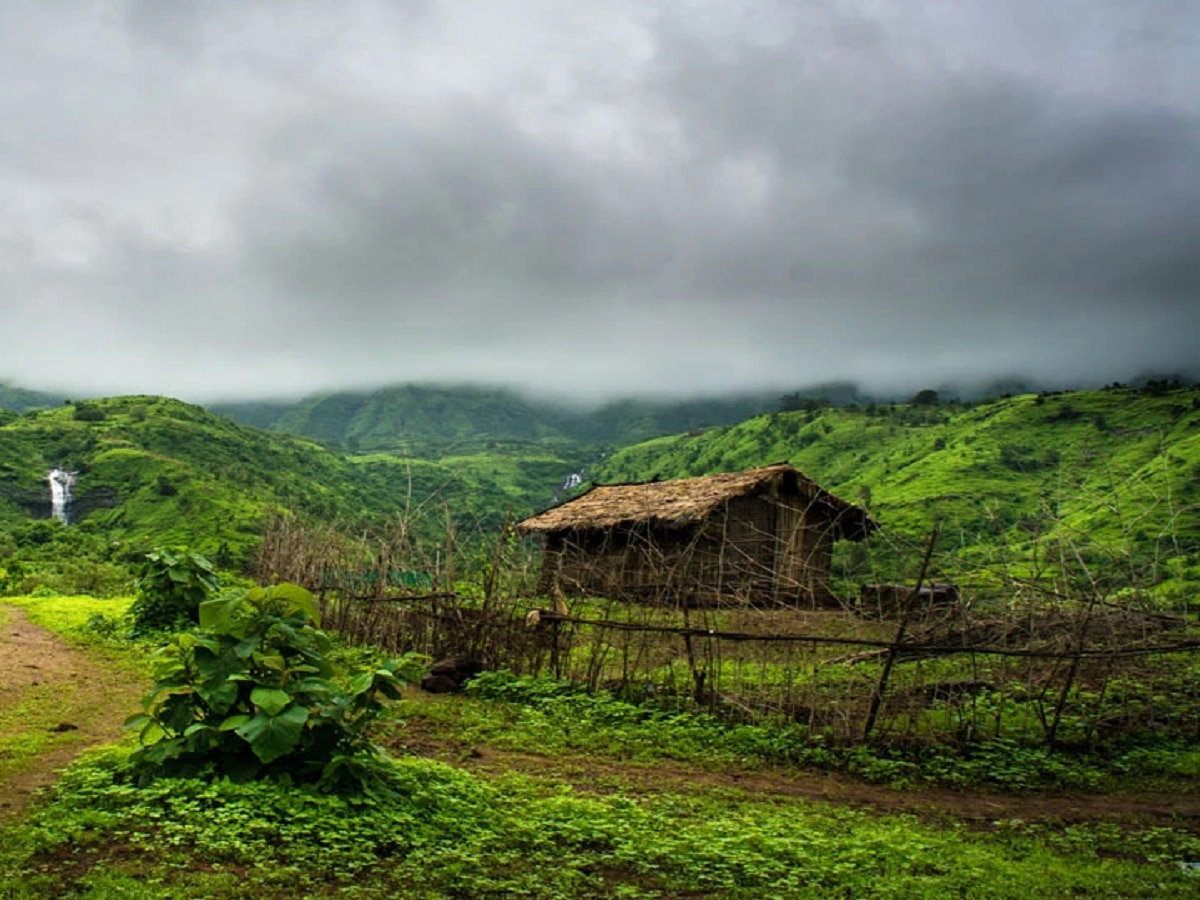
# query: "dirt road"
55, 702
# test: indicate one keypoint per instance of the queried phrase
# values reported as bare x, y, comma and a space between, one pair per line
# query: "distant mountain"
430, 420
20, 400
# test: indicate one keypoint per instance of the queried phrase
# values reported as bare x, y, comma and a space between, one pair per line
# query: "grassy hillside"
153, 470
1116, 471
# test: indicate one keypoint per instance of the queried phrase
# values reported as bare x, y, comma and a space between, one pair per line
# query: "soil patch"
55, 702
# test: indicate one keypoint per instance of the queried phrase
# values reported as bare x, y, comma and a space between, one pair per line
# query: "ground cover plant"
444, 833
559, 717
437, 831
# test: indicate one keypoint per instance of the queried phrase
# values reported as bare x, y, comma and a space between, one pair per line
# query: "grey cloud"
761, 194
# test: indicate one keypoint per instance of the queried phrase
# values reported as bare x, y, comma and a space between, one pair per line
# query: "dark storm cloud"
629, 196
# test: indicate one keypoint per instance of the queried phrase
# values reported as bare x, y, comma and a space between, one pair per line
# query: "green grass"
443, 833
438, 832
69, 616
551, 717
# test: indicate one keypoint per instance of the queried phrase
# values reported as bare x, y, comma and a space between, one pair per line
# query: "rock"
440, 684
460, 668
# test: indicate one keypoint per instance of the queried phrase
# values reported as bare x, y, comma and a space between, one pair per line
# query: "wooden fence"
1061, 672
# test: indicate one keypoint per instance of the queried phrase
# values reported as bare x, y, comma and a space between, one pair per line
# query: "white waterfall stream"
62, 484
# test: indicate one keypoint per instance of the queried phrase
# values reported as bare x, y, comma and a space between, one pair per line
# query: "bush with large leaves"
172, 584
252, 693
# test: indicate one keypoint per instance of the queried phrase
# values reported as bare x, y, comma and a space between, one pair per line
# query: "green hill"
21, 400
1113, 473
434, 420
153, 470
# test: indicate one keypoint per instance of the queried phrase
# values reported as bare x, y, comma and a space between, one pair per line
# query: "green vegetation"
562, 719
20, 400
172, 585
158, 472
252, 694
447, 834
1010, 479
431, 830
1094, 497
432, 421
72, 616
1115, 472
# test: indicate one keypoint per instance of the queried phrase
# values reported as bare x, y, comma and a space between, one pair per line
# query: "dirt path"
55, 702
975, 808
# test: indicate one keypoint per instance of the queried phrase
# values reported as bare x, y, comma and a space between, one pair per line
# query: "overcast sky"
234, 198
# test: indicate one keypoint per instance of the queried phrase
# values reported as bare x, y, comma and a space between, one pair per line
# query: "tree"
926, 397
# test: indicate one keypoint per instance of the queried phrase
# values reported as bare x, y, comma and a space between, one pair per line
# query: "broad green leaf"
298, 600
234, 722
274, 662
219, 697
218, 615
209, 643
317, 686
165, 749
271, 737
139, 720
213, 665
270, 700
176, 713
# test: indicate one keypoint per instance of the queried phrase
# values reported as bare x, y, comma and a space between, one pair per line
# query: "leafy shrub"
253, 693
170, 588
86, 412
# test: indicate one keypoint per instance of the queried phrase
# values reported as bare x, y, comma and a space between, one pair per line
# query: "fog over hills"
596, 200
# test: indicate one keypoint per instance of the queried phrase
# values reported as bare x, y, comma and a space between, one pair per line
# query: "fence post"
894, 647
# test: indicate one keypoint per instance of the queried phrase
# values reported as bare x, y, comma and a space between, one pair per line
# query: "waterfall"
572, 481
61, 484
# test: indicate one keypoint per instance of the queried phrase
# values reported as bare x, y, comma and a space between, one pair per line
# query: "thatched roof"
688, 501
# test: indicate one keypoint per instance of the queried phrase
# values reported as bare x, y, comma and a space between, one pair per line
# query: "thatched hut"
760, 535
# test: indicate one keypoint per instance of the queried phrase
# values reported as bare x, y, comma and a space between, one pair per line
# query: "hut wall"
754, 549
805, 555
640, 562
742, 537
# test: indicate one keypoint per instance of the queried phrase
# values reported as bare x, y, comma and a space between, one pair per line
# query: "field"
529, 787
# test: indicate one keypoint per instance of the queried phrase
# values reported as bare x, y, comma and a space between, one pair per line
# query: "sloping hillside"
1116, 471
153, 470
20, 400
